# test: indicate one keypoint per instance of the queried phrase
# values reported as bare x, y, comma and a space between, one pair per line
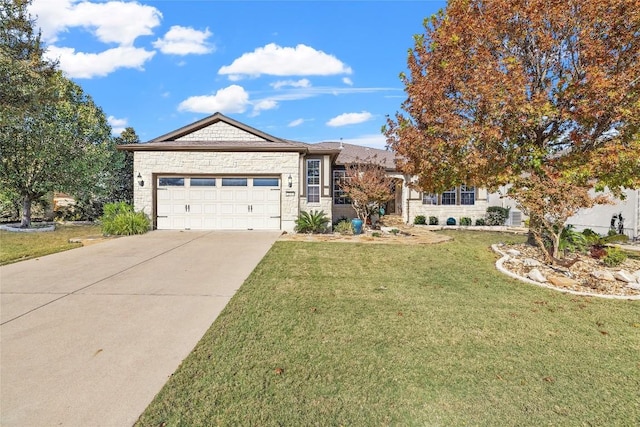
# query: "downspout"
636, 224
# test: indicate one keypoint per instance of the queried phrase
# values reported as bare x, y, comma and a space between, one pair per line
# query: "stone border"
15, 228
554, 288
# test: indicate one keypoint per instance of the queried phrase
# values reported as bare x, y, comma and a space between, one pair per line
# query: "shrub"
343, 227
433, 220
451, 221
571, 240
465, 220
119, 219
341, 219
480, 221
592, 237
616, 238
614, 257
394, 231
311, 222
497, 215
376, 234
420, 220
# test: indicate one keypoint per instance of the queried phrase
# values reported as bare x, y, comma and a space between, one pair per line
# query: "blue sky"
304, 70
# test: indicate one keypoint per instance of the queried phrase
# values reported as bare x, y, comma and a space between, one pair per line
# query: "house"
220, 174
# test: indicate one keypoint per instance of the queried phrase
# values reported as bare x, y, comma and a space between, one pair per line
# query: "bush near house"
465, 220
119, 219
433, 220
420, 220
497, 215
343, 227
312, 222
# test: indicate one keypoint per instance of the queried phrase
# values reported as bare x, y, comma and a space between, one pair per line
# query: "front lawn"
20, 246
368, 335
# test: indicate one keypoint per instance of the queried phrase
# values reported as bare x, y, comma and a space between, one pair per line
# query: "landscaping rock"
624, 276
531, 262
634, 286
535, 275
513, 252
603, 275
636, 274
562, 282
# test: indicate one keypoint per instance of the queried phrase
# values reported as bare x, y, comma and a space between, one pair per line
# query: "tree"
368, 186
542, 95
52, 135
123, 168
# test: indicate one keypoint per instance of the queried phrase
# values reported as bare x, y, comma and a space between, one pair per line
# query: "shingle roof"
350, 153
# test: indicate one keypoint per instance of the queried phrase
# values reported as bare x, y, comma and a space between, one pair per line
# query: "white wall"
598, 218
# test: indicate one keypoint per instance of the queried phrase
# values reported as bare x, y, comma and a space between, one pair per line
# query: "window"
203, 182
313, 181
449, 197
234, 182
429, 199
266, 182
339, 196
171, 182
467, 195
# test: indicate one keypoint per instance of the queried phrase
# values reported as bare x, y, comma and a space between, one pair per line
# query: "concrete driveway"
88, 337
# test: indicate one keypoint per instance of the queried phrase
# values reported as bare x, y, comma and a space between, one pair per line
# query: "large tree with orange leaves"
540, 94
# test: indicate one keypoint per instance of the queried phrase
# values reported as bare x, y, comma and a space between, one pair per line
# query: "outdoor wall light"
140, 180
290, 181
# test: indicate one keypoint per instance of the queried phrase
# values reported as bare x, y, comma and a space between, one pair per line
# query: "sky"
307, 71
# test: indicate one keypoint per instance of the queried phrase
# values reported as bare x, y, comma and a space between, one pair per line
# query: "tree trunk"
26, 212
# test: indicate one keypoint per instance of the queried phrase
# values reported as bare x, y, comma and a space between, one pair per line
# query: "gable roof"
195, 137
187, 138
208, 121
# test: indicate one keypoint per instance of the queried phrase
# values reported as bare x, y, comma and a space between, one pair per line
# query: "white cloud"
184, 41
291, 83
262, 105
232, 99
88, 65
349, 119
275, 60
111, 22
296, 122
117, 125
347, 81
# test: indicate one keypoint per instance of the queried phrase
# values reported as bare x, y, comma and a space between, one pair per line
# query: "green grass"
369, 335
20, 246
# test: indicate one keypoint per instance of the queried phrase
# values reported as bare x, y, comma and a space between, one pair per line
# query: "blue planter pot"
356, 223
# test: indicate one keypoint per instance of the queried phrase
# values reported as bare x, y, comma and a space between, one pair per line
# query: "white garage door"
218, 203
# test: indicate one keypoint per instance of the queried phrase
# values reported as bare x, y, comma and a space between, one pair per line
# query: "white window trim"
313, 185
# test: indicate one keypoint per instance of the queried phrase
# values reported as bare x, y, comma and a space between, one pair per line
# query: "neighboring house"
220, 174
602, 218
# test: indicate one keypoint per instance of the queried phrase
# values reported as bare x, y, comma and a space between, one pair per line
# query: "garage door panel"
218, 203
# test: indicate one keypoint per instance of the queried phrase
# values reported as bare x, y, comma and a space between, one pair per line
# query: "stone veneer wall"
412, 206
217, 163
220, 132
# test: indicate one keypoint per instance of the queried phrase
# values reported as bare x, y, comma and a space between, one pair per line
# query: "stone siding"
147, 163
220, 131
